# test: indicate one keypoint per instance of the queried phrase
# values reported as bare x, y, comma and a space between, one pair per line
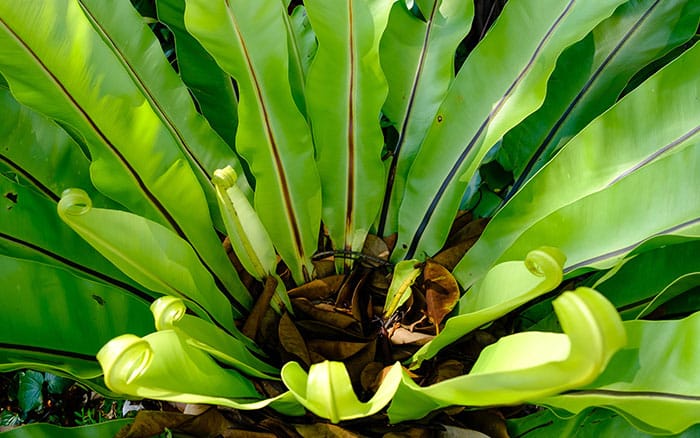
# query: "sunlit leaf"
482, 104
505, 287
652, 381
346, 89
529, 365
170, 314
250, 42
405, 273
162, 365
653, 164
148, 252
327, 391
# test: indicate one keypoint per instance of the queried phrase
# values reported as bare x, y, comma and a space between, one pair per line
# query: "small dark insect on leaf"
99, 300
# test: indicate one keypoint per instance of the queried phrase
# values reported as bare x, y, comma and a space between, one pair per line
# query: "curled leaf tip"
225, 177
123, 360
545, 261
166, 311
74, 202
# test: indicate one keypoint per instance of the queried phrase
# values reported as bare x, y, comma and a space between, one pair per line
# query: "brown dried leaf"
460, 432
248, 280
335, 350
447, 370
462, 220
252, 323
375, 247
321, 313
315, 357
150, 423
291, 339
411, 432
360, 301
459, 243
327, 331
402, 336
441, 292
323, 268
488, 421
391, 241
379, 281
242, 433
318, 289
374, 374
280, 427
369, 375
323, 430
355, 364
346, 289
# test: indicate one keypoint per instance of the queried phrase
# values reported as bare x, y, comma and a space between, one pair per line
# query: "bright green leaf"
652, 381
57, 57
249, 41
483, 103
591, 74
405, 273
327, 391
585, 187
345, 90
149, 253
504, 288
529, 365
41, 330
170, 314
418, 59
162, 365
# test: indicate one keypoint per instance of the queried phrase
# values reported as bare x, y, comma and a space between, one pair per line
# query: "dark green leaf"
29, 392
56, 384
100, 430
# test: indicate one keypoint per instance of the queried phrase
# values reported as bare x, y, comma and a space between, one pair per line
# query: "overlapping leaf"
149, 253
302, 48
345, 92
212, 87
417, 57
641, 283
591, 423
170, 314
591, 74
141, 57
504, 288
482, 104
40, 329
249, 42
327, 391
628, 165
25, 136
528, 365
31, 229
652, 381
162, 365
62, 59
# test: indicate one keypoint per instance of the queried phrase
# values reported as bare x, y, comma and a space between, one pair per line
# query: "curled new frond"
74, 202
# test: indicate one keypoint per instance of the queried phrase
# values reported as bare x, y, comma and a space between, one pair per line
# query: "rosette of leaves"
323, 210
